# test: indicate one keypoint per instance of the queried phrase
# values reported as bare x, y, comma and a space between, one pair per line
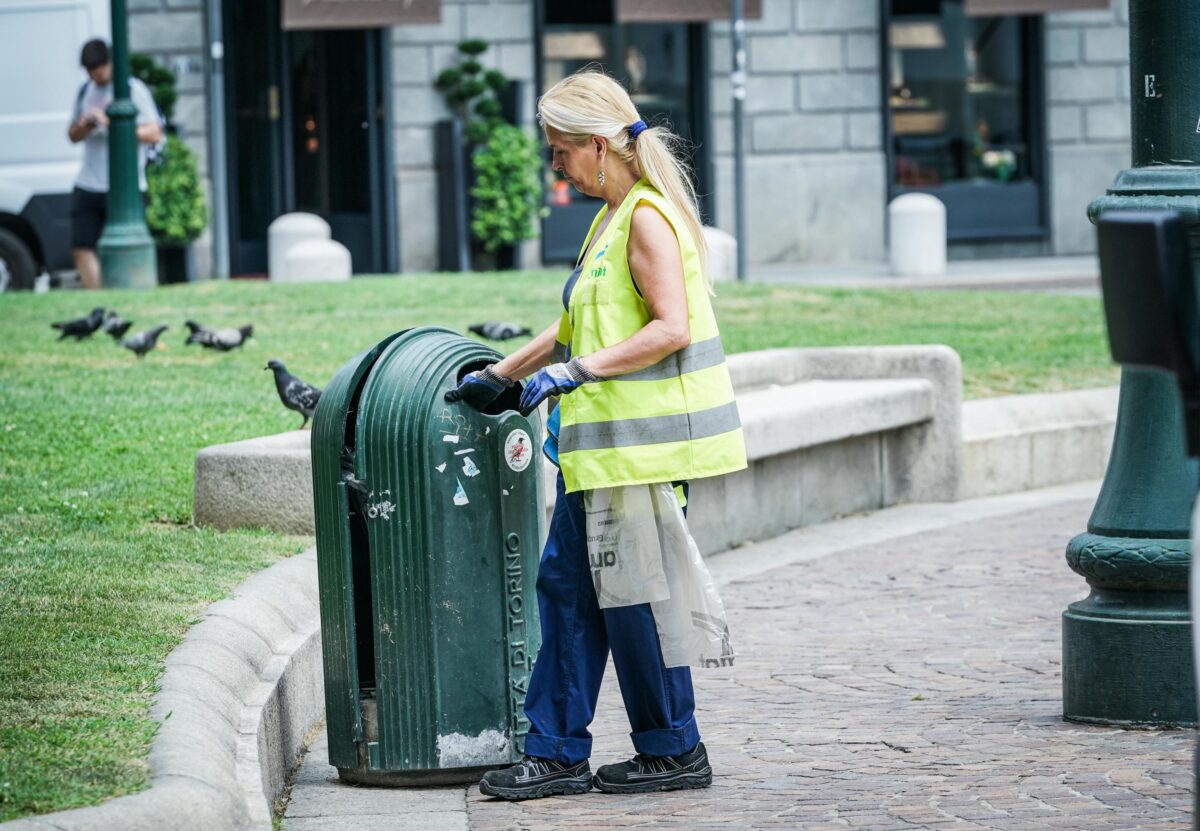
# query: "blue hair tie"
635, 129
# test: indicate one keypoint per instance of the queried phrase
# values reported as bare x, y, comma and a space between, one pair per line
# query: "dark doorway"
308, 131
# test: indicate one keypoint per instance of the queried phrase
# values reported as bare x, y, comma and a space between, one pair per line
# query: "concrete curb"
235, 702
1022, 442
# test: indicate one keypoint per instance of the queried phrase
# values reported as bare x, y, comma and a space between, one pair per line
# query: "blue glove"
479, 388
556, 379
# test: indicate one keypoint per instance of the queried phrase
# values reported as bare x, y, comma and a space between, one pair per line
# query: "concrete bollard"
288, 230
722, 254
918, 235
317, 261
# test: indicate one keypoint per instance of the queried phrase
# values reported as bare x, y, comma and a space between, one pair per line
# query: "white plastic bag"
623, 549
642, 552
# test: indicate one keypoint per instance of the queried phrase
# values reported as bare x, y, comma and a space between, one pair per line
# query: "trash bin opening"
510, 399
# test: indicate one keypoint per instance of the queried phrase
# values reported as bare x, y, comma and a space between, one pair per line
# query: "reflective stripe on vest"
631, 432
692, 357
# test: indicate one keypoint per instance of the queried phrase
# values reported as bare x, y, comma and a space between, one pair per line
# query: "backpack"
155, 153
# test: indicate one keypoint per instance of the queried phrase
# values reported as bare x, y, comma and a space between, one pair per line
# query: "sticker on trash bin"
381, 509
460, 495
469, 467
518, 450
441, 468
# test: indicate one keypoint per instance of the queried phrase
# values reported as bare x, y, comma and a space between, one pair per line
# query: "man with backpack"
89, 124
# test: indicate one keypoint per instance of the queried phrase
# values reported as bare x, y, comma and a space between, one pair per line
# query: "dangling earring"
600, 176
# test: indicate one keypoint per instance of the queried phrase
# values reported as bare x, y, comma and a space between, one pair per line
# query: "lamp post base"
1127, 660
128, 259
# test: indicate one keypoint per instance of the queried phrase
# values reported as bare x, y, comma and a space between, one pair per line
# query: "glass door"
255, 139
333, 118
663, 67
308, 132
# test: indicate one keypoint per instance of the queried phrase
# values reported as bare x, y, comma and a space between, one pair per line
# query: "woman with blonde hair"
645, 405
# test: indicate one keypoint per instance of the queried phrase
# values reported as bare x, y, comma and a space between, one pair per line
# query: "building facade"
1015, 121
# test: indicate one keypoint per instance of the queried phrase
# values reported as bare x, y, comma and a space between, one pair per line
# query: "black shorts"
89, 213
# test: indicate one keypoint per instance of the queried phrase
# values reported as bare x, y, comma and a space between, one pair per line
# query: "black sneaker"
646, 774
533, 777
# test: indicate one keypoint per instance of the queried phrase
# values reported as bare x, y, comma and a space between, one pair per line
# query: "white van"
40, 77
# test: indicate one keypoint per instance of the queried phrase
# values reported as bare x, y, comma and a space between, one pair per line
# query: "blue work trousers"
576, 638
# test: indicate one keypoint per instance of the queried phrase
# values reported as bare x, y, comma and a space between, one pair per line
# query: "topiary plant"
159, 79
508, 190
176, 212
471, 91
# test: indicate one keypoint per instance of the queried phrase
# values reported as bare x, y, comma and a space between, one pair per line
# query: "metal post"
127, 255
217, 166
737, 81
1127, 657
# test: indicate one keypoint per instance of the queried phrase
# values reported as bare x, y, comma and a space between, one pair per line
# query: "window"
661, 64
649, 59
963, 120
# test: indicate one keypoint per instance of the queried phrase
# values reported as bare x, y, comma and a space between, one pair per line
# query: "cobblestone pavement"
908, 684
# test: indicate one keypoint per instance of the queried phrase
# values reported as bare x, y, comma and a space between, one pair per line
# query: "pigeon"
498, 330
143, 342
198, 332
116, 325
294, 393
80, 328
224, 339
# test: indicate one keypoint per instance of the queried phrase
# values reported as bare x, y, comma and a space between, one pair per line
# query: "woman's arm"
531, 357
657, 269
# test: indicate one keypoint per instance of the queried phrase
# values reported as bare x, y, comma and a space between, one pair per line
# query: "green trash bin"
429, 518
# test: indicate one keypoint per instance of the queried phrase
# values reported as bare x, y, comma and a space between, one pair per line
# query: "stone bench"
828, 432
264, 482
832, 432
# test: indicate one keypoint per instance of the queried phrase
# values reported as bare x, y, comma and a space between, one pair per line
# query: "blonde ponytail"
590, 103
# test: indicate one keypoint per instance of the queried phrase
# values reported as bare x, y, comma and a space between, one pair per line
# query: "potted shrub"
507, 192
489, 190
176, 213
175, 210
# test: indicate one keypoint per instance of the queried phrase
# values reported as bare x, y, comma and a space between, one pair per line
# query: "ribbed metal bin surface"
437, 509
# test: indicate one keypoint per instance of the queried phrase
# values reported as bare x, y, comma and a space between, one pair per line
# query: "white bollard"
286, 231
918, 235
317, 261
722, 254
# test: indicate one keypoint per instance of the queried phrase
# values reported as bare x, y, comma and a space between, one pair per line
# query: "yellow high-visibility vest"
675, 420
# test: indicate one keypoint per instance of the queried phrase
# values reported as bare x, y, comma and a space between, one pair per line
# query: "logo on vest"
602, 268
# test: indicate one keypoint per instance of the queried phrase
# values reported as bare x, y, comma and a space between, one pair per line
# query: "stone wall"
1087, 127
419, 53
813, 132
814, 113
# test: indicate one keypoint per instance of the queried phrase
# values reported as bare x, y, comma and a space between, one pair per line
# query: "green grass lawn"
100, 570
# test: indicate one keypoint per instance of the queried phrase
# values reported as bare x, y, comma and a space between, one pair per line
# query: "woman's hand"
556, 379
481, 388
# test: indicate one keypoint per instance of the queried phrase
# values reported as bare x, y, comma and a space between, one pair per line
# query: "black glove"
480, 388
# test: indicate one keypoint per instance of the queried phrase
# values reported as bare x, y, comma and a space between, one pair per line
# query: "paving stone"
911, 683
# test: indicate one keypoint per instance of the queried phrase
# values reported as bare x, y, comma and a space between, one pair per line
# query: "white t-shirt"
93, 176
